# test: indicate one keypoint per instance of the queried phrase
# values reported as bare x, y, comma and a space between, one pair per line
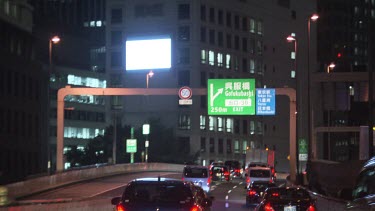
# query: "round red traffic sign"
185, 92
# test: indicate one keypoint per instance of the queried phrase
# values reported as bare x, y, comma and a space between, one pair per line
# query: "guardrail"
40, 184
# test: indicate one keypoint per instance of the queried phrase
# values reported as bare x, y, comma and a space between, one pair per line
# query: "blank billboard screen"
145, 54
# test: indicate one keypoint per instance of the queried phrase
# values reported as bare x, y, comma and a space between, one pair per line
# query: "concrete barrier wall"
40, 184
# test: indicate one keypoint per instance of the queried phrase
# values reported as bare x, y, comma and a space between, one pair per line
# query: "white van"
199, 175
258, 174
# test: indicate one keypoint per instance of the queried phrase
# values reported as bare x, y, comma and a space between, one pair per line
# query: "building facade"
213, 39
344, 93
24, 85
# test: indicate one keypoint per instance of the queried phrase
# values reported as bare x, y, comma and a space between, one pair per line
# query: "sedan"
256, 191
148, 194
286, 199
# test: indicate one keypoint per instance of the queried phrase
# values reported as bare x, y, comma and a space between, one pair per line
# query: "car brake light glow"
248, 180
311, 208
195, 208
275, 194
251, 192
209, 180
268, 207
119, 207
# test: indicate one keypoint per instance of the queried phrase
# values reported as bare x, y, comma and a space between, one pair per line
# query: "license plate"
290, 208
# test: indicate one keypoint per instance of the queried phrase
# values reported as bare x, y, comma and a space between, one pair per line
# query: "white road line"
235, 186
229, 191
226, 198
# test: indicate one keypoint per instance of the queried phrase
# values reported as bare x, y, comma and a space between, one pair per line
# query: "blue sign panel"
265, 101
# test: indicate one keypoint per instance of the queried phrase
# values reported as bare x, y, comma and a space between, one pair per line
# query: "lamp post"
330, 67
313, 17
52, 40
292, 38
148, 76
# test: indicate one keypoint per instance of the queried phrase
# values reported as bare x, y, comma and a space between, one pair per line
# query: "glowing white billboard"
147, 54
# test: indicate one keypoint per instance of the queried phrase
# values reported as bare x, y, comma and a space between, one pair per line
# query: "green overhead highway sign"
231, 96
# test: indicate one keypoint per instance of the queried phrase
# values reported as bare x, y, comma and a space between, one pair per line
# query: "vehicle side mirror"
116, 200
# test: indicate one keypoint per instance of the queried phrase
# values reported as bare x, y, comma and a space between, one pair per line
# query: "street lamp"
292, 38
52, 40
148, 76
330, 67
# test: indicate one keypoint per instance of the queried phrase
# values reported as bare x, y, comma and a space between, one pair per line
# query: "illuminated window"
211, 58
293, 55
252, 66
220, 59
99, 23
203, 56
252, 25
202, 120
184, 122
219, 124
82, 133
293, 74
227, 61
92, 23
260, 27
244, 146
211, 123
236, 146
228, 125
252, 127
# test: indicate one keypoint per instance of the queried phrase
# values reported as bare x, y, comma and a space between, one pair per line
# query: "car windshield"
150, 193
296, 194
260, 173
195, 172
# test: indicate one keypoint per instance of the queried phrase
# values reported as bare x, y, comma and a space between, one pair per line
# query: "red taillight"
275, 194
195, 208
271, 180
248, 180
209, 180
226, 173
311, 208
119, 207
182, 179
268, 207
251, 192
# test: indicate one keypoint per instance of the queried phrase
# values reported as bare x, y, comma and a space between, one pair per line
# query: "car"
199, 175
162, 194
234, 167
259, 174
362, 196
220, 173
286, 199
256, 190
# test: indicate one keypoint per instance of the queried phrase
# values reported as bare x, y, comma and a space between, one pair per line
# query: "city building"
78, 60
342, 101
24, 98
214, 39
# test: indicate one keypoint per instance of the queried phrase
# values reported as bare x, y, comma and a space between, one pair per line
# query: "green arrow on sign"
231, 96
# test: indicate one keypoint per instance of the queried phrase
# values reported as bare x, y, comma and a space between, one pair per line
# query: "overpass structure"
289, 92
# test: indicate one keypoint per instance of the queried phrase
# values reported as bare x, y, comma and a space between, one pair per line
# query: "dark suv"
363, 194
162, 194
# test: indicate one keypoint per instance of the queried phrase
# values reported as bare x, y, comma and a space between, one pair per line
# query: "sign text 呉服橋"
231, 96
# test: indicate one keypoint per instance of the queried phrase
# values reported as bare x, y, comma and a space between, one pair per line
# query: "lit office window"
244, 146
228, 125
211, 58
293, 74
293, 55
211, 123
227, 61
260, 27
220, 59
203, 56
184, 122
252, 66
252, 127
252, 25
219, 124
202, 120
236, 146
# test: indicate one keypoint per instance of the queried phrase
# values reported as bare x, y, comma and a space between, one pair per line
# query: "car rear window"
263, 186
195, 172
260, 173
152, 193
287, 194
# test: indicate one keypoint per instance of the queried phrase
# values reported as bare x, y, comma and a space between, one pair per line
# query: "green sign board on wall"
231, 96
